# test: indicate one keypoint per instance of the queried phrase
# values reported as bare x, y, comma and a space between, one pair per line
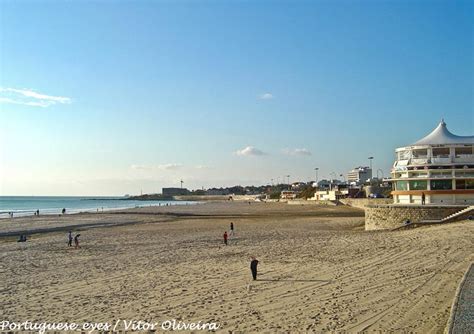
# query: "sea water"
27, 205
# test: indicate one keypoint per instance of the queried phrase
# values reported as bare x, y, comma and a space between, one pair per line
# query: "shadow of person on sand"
293, 280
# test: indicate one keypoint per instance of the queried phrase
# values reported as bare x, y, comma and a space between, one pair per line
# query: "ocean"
27, 205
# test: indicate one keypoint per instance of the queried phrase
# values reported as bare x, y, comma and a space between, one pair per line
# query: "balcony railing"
464, 158
441, 160
419, 161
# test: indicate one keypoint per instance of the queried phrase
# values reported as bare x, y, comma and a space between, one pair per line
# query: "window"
444, 174
464, 184
418, 185
419, 174
419, 153
462, 151
441, 184
401, 185
441, 152
468, 173
404, 155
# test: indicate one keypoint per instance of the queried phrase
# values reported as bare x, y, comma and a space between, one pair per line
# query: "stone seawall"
387, 217
361, 203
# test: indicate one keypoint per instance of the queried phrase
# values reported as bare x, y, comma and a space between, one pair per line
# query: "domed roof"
441, 135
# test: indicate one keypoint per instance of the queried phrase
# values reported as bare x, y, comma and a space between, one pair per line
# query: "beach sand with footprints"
318, 269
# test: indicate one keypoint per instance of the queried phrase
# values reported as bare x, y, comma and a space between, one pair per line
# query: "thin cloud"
266, 96
202, 167
173, 166
170, 166
30, 98
297, 151
250, 151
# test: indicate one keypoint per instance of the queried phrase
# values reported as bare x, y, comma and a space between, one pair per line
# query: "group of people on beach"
253, 260
75, 238
231, 234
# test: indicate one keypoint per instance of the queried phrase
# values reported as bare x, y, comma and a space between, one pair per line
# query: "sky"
122, 97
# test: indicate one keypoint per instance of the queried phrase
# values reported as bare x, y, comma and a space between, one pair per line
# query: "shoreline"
48, 211
41, 224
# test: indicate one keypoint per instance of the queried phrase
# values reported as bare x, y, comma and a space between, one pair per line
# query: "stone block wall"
361, 203
387, 217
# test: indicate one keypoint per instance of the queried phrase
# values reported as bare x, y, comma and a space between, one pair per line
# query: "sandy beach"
319, 271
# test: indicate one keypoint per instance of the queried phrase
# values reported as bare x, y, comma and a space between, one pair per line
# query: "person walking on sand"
422, 198
69, 243
231, 229
64, 211
253, 267
225, 237
76, 241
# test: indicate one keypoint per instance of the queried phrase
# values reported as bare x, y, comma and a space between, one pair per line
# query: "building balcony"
466, 158
419, 161
441, 160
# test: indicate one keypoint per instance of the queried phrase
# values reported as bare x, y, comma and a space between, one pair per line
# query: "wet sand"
319, 270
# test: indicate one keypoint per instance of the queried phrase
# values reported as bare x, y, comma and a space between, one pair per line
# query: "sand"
319, 270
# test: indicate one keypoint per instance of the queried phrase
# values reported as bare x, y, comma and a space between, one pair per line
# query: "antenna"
181, 184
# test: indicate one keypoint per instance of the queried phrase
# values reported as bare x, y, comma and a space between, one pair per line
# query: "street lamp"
288, 181
316, 169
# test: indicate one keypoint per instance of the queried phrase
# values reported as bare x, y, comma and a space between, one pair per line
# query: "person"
253, 267
231, 228
422, 198
64, 211
38, 212
76, 241
70, 239
22, 238
225, 237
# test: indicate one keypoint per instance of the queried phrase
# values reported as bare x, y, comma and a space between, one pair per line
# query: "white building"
329, 195
359, 175
288, 194
439, 166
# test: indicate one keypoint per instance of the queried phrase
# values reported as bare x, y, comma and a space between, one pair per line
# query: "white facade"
439, 167
359, 175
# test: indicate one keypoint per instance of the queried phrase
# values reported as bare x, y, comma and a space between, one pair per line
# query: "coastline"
22, 206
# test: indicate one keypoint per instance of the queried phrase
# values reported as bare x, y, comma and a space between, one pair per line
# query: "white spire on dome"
441, 135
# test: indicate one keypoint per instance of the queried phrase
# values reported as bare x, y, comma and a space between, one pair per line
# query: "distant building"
328, 184
298, 186
288, 194
217, 191
174, 191
324, 184
329, 195
359, 175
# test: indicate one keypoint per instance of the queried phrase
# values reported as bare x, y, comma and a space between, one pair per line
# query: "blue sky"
108, 98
